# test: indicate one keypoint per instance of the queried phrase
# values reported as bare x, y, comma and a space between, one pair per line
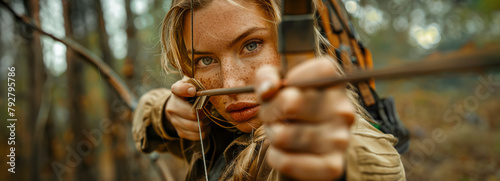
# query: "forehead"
222, 20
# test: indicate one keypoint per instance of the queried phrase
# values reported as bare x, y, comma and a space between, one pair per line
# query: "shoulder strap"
352, 55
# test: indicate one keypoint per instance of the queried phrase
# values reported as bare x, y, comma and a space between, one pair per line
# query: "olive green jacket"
370, 155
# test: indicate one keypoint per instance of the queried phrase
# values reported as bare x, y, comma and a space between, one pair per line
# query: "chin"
247, 126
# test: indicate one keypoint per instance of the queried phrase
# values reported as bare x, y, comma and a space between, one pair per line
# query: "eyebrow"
234, 41
244, 35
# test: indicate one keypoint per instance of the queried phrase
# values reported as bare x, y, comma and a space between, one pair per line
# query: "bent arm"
150, 128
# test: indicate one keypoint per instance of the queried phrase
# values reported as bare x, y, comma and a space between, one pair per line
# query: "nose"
235, 73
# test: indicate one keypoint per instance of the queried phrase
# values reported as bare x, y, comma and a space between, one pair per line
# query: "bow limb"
296, 41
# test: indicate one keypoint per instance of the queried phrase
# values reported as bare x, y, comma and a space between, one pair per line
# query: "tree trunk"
75, 95
118, 137
129, 67
37, 78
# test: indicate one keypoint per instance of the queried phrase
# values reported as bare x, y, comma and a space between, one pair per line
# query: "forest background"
72, 126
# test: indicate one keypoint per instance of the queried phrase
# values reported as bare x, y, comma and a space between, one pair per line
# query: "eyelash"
256, 41
259, 46
199, 62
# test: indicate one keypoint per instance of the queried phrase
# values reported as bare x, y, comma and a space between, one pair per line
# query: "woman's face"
230, 44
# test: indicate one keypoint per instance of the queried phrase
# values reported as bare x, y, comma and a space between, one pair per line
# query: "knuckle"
341, 143
193, 114
193, 126
180, 89
285, 166
181, 134
169, 109
292, 101
333, 165
175, 123
190, 115
348, 118
333, 170
282, 139
196, 136
175, 87
326, 67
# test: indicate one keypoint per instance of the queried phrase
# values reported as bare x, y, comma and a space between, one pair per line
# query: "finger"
308, 105
276, 111
191, 135
186, 124
312, 138
183, 89
303, 166
335, 99
323, 67
292, 104
337, 104
267, 82
180, 108
189, 129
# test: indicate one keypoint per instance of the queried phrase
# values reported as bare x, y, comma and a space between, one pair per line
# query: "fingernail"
192, 91
273, 130
264, 87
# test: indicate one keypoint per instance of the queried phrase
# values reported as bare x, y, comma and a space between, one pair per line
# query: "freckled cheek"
274, 58
269, 58
210, 81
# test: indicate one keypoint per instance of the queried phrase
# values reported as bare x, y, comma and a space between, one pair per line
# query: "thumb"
267, 82
183, 89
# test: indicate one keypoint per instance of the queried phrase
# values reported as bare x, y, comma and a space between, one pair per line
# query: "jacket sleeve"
150, 128
152, 131
371, 154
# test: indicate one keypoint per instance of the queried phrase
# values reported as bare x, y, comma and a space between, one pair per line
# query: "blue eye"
251, 46
205, 61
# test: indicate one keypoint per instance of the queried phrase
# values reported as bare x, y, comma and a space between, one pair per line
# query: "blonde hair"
174, 54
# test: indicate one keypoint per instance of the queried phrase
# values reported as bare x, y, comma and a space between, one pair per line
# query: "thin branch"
111, 77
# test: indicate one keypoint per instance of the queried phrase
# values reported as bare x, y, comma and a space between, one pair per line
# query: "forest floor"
453, 136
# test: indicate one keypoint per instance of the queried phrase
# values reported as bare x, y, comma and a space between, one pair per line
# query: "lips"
242, 111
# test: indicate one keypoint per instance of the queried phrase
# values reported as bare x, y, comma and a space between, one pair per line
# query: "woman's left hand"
308, 127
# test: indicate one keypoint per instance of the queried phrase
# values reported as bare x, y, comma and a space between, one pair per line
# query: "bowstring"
196, 110
202, 148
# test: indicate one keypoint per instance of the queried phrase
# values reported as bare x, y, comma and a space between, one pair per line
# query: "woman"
304, 134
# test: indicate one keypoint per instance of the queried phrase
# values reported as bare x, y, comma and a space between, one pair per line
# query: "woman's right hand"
180, 113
